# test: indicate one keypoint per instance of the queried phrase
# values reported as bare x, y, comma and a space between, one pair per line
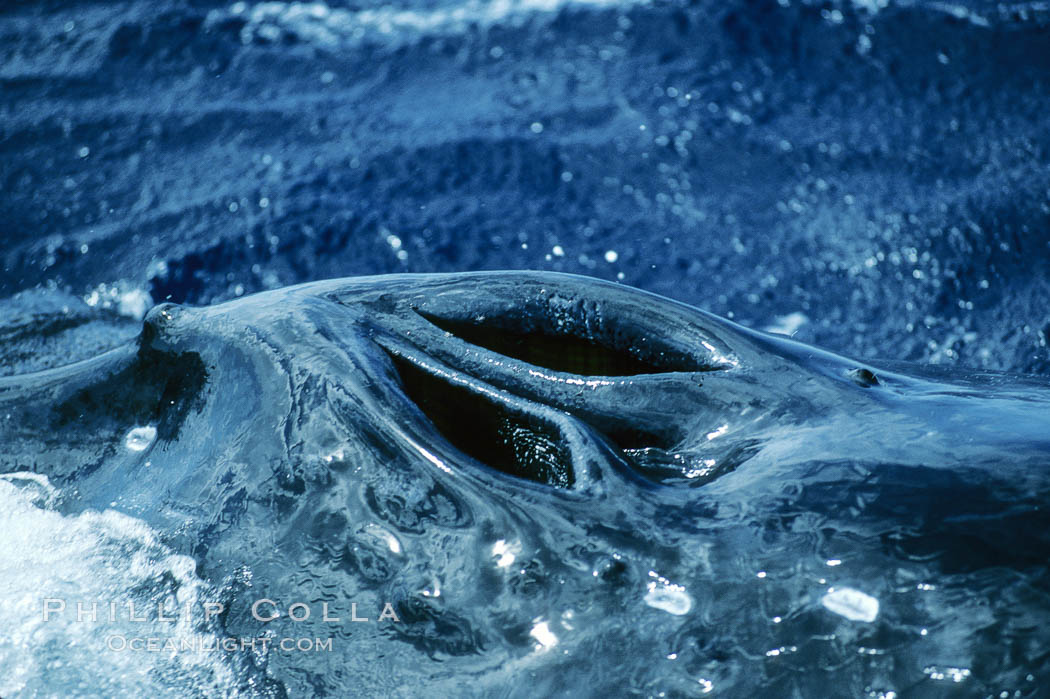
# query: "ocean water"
870, 177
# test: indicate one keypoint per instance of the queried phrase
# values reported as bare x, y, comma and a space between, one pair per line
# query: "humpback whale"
565, 486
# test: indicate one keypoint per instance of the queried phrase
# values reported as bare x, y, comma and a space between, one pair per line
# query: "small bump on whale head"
865, 378
159, 322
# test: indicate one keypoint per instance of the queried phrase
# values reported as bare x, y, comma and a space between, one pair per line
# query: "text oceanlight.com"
211, 644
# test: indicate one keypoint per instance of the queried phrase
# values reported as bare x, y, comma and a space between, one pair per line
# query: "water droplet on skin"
852, 604
140, 438
665, 595
670, 598
542, 633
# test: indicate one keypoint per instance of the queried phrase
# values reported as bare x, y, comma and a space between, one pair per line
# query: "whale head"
570, 478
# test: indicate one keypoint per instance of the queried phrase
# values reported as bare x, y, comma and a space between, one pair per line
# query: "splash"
320, 24
55, 567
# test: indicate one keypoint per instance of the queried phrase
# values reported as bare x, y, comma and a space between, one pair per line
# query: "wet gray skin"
567, 486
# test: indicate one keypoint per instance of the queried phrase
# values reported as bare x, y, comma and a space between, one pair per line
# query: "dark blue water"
882, 172
871, 177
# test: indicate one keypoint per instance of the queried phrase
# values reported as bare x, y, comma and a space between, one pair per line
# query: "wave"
323, 25
320, 24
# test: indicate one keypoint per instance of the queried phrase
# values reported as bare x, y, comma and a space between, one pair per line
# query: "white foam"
871, 6
318, 23
134, 303
787, 324
505, 553
123, 297
91, 557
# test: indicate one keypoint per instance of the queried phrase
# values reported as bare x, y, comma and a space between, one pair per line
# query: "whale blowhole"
569, 349
521, 445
